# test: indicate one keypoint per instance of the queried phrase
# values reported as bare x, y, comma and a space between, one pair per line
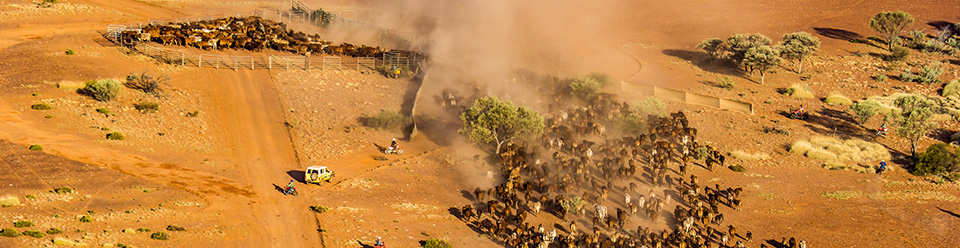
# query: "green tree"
762, 58
936, 159
585, 87
738, 45
490, 120
915, 113
890, 25
798, 46
864, 110
712, 46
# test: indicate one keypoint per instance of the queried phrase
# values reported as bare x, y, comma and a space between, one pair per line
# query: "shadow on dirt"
297, 175
706, 62
838, 34
362, 245
949, 212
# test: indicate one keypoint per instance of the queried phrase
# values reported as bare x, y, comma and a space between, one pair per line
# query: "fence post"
252, 64
183, 59
199, 60
270, 62
306, 63
218, 62
288, 62
236, 63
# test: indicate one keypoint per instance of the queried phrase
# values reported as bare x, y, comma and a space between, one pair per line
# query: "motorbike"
798, 115
289, 191
882, 131
393, 150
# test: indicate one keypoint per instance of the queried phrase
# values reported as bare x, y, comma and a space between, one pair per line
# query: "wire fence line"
404, 60
689, 98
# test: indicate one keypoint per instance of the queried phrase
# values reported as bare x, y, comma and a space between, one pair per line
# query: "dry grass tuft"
801, 91
837, 99
832, 149
843, 195
9, 200
741, 155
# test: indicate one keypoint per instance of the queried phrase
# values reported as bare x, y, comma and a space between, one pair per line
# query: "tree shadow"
838, 34
297, 175
706, 62
942, 25
949, 212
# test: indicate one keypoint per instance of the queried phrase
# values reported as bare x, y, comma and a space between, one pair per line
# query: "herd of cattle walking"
578, 171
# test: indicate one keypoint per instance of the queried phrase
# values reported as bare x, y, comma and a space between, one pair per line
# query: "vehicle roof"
317, 167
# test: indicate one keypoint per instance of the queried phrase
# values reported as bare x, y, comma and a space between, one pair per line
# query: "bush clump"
436, 243
837, 99
937, 159
951, 89
102, 90
143, 229
832, 149
899, 54
319, 209
40, 106
86, 218
53, 231
797, 90
864, 110
23, 223
9, 232
928, 74
35, 147
175, 228
725, 82
63, 190
115, 136
738, 168
147, 83
650, 106
69, 51
35, 234
9, 201
160, 236
880, 78
103, 111
386, 119
146, 107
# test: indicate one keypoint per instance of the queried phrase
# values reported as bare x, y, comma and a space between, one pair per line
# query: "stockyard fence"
404, 60
689, 98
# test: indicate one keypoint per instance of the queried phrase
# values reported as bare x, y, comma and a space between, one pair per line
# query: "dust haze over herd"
518, 123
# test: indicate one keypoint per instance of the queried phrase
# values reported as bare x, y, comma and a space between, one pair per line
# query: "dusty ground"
214, 173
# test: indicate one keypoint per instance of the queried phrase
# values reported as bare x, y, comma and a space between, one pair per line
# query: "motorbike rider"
393, 144
882, 129
800, 111
379, 243
289, 187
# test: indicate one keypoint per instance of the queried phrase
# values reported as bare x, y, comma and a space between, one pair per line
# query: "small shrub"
69, 51
86, 218
35, 234
103, 111
147, 83
53, 231
725, 82
193, 114
36, 147
146, 107
386, 119
805, 77
143, 229
899, 54
633, 124
737, 168
63, 190
64, 242
858, 41
702, 152
48, 116
747, 156
102, 90
436, 243
319, 209
864, 110
837, 99
951, 89
23, 223
160, 236
40, 106
115, 136
9, 232
775, 130
31, 197
939, 158
650, 106
880, 78
585, 87
175, 228
928, 74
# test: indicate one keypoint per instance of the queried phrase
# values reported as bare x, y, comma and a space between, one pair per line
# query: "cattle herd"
249, 33
578, 170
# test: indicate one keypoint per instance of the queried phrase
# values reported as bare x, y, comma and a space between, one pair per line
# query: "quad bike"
882, 131
797, 115
393, 150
